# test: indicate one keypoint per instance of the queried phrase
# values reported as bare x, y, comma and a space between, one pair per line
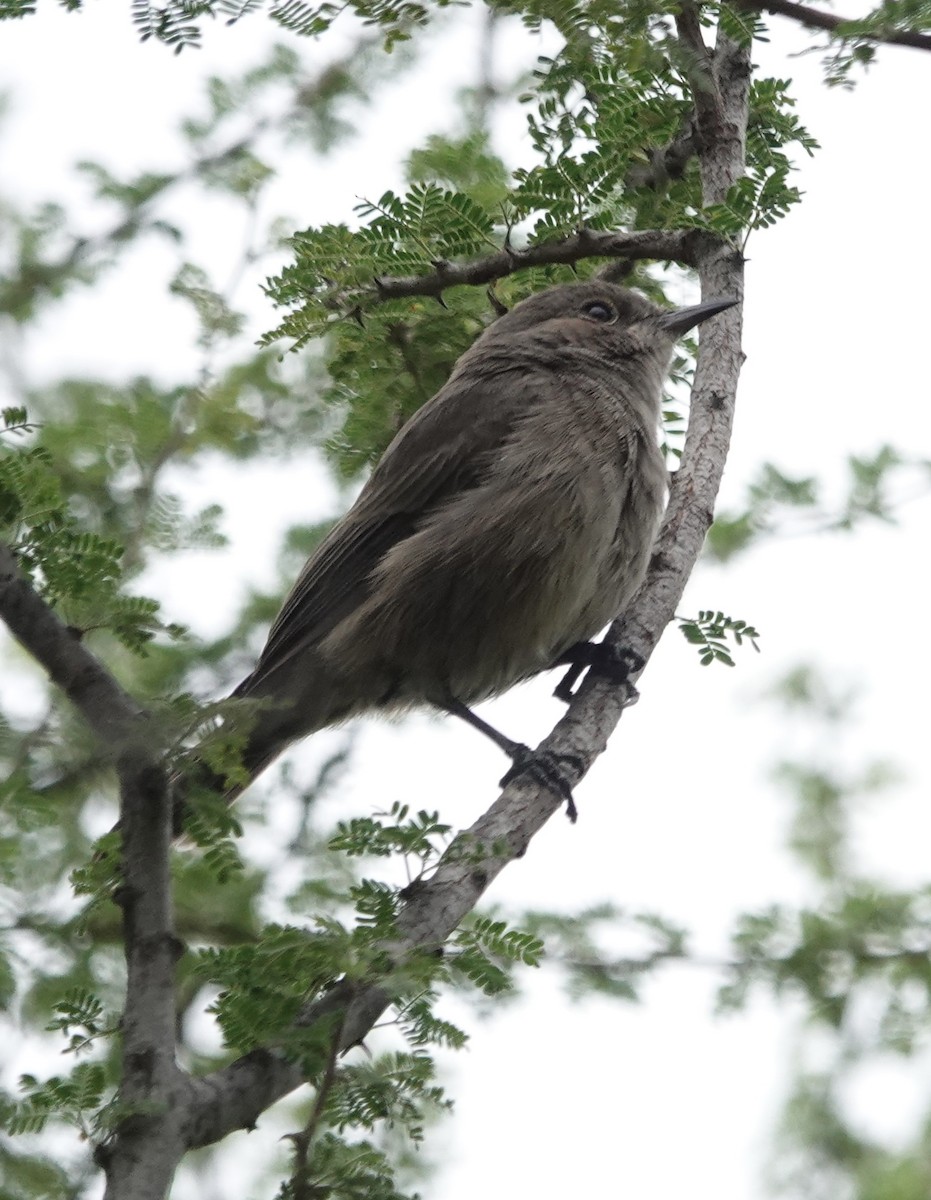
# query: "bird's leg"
613, 662
511, 748
543, 767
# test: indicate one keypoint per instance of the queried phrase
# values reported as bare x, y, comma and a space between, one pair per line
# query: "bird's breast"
562, 547
545, 549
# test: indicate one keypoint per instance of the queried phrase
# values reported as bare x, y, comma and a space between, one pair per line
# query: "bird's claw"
563, 690
616, 663
545, 768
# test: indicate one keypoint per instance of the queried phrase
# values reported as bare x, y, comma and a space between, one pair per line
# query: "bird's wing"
443, 450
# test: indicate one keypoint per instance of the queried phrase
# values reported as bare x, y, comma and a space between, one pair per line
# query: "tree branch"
814, 18
114, 716
141, 1159
700, 72
662, 245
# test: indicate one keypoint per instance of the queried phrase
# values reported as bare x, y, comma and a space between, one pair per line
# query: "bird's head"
599, 313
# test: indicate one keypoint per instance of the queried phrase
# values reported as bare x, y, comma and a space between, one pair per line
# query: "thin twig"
814, 18
700, 72
304, 1140
661, 245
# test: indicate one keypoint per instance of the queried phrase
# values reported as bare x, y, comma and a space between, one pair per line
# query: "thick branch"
141, 1158
114, 716
814, 18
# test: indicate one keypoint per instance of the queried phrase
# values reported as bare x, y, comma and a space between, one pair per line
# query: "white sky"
596, 1099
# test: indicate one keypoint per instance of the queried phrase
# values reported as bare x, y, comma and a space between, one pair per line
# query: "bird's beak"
681, 320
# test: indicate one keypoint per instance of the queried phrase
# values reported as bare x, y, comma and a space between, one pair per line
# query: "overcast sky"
598, 1099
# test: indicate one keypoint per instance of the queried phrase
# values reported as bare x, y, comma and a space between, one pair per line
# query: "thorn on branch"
496, 303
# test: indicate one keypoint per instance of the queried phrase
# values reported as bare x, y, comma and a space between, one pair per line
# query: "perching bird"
507, 523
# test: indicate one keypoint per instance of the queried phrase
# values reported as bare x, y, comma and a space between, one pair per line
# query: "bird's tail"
278, 710
200, 793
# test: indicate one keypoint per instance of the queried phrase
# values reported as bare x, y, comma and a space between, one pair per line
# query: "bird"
508, 522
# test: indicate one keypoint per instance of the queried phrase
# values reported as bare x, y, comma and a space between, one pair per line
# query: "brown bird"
507, 523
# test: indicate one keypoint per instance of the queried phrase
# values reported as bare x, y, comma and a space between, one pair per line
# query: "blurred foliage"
854, 963
874, 487
178, 24
93, 476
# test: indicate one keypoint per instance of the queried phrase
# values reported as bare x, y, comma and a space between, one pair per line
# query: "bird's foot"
542, 766
616, 663
545, 768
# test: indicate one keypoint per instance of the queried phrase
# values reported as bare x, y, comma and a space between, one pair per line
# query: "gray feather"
511, 518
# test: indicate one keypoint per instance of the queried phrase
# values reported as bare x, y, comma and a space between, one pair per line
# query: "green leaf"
707, 632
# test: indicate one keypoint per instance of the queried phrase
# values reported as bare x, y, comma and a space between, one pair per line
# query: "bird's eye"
598, 310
